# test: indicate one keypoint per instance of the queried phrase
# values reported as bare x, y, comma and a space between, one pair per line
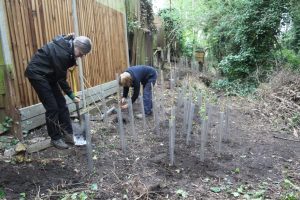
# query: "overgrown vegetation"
146, 18
247, 39
172, 25
242, 36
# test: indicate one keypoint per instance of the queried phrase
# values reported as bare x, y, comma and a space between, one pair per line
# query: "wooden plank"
49, 18
46, 20
39, 23
12, 100
27, 49
25, 57
69, 14
59, 18
29, 46
38, 109
19, 49
13, 42
42, 25
38, 120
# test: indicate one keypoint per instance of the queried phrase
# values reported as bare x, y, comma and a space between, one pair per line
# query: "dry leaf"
295, 133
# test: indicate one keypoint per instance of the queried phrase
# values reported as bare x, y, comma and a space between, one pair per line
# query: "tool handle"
78, 111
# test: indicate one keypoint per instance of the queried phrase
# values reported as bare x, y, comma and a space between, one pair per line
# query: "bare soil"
253, 164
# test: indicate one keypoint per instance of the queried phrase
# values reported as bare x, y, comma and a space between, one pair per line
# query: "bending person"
47, 73
135, 76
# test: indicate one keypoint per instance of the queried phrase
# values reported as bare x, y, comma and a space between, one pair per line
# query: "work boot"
69, 139
60, 144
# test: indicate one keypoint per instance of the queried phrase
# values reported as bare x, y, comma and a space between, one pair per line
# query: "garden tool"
78, 128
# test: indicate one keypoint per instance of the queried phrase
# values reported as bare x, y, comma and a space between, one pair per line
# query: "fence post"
13, 100
75, 18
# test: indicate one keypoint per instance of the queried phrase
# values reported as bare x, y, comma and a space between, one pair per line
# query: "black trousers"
57, 113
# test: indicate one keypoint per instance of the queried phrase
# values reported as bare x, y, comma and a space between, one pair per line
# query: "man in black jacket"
47, 73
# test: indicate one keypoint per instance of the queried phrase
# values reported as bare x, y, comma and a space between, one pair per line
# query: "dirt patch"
35, 178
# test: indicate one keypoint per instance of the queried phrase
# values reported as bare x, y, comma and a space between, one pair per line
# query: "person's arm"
64, 85
136, 92
125, 92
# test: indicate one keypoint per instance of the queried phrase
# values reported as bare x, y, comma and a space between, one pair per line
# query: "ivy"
6, 124
243, 35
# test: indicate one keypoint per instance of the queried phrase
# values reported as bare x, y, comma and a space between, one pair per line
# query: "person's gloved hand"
76, 100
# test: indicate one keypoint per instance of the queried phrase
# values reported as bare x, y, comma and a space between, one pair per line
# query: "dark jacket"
140, 74
52, 61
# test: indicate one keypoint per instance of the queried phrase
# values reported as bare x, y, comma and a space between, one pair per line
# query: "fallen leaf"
215, 189
235, 194
295, 133
94, 187
95, 157
182, 193
20, 147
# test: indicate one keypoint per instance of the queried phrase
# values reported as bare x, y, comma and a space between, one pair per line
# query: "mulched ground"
252, 165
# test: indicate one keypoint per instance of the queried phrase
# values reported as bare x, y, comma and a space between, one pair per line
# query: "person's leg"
63, 115
45, 93
147, 96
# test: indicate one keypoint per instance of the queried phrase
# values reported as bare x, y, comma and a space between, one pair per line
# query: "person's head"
125, 79
82, 46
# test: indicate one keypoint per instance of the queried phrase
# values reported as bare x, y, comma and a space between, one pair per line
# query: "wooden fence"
33, 23
141, 38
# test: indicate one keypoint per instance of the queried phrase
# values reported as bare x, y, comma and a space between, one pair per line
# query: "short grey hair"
83, 43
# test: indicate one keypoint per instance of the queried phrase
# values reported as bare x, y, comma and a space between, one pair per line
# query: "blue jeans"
147, 96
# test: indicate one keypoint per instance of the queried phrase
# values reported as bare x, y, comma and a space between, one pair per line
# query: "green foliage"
290, 59
6, 124
173, 30
242, 35
75, 196
235, 87
146, 16
215, 189
295, 120
292, 190
237, 66
132, 24
22, 196
2, 193
290, 196
294, 8
182, 193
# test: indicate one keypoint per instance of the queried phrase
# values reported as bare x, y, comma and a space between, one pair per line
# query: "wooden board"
34, 116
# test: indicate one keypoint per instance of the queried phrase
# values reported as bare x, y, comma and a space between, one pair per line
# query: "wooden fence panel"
33, 23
